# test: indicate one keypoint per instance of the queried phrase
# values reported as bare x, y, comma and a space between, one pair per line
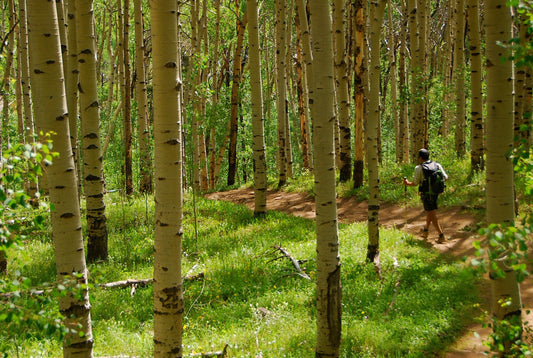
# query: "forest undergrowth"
249, 295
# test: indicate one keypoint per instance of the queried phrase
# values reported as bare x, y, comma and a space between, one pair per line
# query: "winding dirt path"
459, 226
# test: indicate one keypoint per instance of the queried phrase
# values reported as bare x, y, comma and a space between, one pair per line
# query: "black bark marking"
86, 52
171, 65
92, 178
60, 118
172, 142
50, 62
91, 136
67, 216
37, 71
92, 146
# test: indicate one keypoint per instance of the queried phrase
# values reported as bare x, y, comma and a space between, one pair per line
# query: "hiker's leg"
428, 220
433, 218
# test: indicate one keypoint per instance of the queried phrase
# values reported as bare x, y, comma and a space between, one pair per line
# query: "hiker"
429, 190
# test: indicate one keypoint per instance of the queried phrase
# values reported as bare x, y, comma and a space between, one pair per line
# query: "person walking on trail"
430, 178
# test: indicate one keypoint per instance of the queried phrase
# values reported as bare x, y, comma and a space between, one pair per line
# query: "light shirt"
419, 173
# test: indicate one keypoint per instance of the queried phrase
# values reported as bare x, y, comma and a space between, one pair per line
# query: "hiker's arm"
408, 183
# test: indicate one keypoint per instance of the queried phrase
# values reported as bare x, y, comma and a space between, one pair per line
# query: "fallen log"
220, 354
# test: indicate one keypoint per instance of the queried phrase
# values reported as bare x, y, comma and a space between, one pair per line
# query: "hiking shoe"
424, 233
441, 239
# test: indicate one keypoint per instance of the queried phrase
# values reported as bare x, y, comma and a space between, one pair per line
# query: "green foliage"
252, 300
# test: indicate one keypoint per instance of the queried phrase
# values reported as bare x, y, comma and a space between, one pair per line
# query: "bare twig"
295, 262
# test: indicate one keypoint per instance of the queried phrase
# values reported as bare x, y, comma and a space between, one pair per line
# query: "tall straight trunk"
303, 97
403, 116
234, 115
476, 112
394, 84
415, 97
6, 80
527, 110
71, 86
60, 6
128, 154
422, 103
329, 294
500, 186
522, 102
168, 284
377, 9
460, 124
204, 50
260, 178
195, 113
142, 103
18, 93
281, 90
343, 97
359, 93
51, 108
289, 87
93, 173
214, 99
448, 69
307, 56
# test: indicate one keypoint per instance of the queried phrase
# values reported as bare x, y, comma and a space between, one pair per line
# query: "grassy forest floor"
460, 225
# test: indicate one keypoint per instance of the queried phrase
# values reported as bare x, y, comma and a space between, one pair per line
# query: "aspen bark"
260, 178
343, 98
329, 293
142, 103
476, 76
168, 285
281, 90
93, 173
403, 116
50, 106
500, 186
359, 93
460, 124
127, 127
6, 85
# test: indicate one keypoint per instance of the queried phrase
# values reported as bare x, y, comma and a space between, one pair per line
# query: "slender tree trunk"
142, 103
128, 154
303, 97
90, 121
403, 119
6, 81
460, 124
448, 67
260, 178
168, 285
329, 292
422, 103
51, 108
342, 94
476, 112
71, 86
281, 89
18, 93
415, 97
377, 9
359, 93
307, 56
500, 186
234, 115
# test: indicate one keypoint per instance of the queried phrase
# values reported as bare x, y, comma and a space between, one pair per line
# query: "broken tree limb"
221, 354
295, 262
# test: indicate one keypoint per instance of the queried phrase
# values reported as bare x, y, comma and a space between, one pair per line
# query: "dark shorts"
429, 201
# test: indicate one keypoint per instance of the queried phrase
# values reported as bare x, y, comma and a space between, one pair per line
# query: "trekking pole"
405, 196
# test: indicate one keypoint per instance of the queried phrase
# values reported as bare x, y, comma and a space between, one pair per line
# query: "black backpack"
433, 179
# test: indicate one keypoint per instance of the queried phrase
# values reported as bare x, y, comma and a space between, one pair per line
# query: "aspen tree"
214, 99
448, 68
476, 112
142, 102
6, 80
343, 97
260, 178
460, 124
403, 116
329, 293
377, 9
127, 126
359, 93
237, 73
71, 86
422, 95
307, 56
51, 109
415, 97
394, 84
168, 285
281, 89
93, 174
500, 185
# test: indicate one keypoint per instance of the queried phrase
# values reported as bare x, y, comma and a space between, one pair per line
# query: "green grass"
252, 302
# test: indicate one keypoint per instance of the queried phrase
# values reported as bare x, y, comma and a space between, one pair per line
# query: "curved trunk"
51, 109
168, 285
328, 264
260, 178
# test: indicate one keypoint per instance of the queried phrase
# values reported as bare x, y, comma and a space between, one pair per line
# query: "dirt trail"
460, 228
